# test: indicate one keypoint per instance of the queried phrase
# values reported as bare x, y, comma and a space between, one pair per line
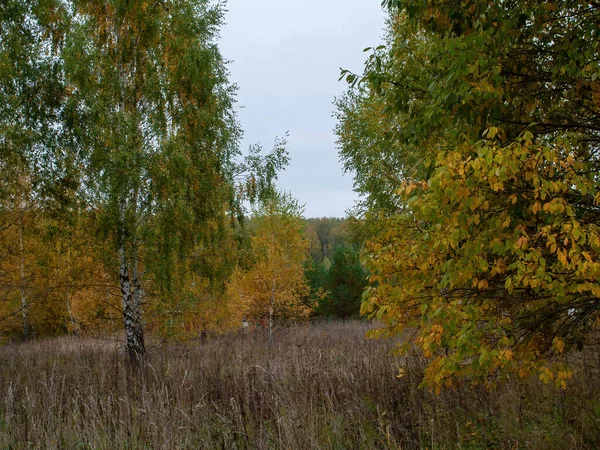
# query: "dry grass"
319, 387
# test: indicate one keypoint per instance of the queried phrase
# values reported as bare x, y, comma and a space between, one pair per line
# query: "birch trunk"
24, 306
131, 294
131, 311
138, 294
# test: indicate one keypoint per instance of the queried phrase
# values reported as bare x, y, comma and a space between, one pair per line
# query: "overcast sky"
286, 57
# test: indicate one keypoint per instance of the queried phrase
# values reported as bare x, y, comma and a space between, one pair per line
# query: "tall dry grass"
318, 387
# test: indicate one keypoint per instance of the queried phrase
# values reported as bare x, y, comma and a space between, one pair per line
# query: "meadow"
321, 386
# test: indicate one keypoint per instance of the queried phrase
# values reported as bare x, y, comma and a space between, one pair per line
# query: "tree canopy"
274, 287
118, 116
484, 208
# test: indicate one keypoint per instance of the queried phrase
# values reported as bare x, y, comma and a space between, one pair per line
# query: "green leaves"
475, 142
257, 174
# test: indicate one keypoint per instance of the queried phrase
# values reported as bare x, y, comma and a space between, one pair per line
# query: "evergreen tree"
317, 278
346, 282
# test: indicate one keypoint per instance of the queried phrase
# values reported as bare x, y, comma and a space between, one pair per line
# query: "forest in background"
64, 298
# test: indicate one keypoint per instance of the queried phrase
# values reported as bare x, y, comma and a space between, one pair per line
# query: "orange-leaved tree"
274, 287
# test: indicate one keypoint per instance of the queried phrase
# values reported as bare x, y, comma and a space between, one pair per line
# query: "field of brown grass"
317, 387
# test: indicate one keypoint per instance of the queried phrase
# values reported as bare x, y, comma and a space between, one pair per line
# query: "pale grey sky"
286, 58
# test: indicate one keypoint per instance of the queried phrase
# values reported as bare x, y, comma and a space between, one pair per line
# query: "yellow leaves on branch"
491, 224
558, 344
409, 187
275, 284
560, 377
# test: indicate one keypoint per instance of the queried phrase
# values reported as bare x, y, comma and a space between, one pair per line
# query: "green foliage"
484, 212
324, 234
31, 89
151, 107
258, 172
122, 112
317, 278
346, 280
334, 272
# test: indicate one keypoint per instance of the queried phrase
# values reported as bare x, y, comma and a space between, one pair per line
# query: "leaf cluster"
484, 211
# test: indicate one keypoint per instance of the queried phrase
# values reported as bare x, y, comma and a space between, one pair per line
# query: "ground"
317, 387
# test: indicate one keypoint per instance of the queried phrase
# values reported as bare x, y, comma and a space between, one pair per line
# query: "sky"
285, 58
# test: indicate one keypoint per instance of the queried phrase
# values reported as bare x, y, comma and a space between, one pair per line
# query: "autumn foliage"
274, 287
484, 242
492, 261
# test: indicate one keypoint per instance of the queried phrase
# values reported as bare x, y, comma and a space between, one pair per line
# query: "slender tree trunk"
272, 298
131, 312
131, 298
271, 323
70, 312
138, 295
24, 306
72, 321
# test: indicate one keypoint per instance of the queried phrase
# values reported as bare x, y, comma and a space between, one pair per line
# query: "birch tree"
150, 106
274, 287
30, 100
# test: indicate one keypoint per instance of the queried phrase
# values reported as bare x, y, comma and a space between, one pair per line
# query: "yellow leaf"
562, 257
559, 344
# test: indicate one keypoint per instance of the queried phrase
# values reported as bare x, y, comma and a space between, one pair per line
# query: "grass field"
321, 387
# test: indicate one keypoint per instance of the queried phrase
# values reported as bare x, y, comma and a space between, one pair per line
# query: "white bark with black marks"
131, 295
24, 302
